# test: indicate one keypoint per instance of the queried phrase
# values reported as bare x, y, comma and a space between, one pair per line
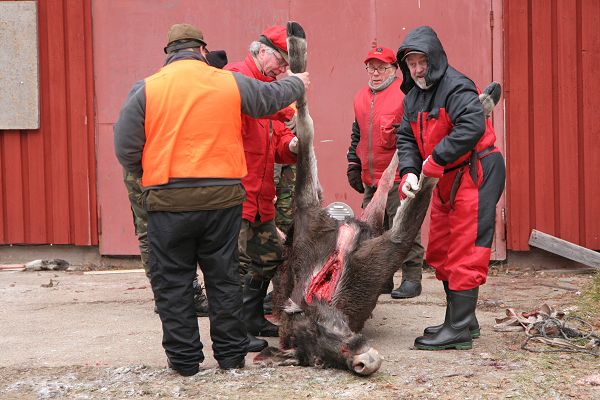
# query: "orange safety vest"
192, 124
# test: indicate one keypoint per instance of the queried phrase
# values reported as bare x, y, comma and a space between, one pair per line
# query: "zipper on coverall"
370, 147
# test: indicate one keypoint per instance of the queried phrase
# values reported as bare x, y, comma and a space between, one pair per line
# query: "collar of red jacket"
256, 73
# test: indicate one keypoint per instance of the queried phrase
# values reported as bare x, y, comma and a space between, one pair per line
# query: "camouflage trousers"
412, 267
140, 216
260, 250
285, 182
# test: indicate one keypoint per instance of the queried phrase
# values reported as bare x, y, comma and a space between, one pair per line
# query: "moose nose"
366, 363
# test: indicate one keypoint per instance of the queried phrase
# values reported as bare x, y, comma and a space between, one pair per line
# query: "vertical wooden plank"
56, 142
499, 245
90, 124
76, 118
566, 114
36, 200
11, 143
589, 36
542, 163
517, 96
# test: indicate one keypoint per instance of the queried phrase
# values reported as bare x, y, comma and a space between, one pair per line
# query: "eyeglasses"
280, 60
381, 69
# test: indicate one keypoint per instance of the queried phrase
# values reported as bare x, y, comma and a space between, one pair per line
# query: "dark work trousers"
179, 241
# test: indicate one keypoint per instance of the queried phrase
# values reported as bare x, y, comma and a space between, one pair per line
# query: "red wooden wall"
48, 175
129, 37
552, 82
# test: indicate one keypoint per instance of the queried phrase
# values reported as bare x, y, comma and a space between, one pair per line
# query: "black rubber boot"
268, 304
232, 364
473, 325
256, 344
190, 371
200, 301
412, 274
454, 333
254, 314
407, 290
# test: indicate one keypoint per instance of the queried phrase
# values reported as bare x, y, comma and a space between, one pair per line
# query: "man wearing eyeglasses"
377, 110
266, 141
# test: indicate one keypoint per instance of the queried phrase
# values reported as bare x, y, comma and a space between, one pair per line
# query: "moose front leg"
308, 190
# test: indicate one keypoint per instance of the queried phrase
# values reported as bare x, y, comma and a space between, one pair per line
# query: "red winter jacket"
266, 141
373, 135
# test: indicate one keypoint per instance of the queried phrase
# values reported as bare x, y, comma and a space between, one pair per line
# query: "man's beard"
422, 83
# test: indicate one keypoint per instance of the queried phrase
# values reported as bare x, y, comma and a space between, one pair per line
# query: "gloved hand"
354, 179
293, 145
432, 169
291, 124
409, 186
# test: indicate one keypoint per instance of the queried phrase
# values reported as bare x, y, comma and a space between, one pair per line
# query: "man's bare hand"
303, 77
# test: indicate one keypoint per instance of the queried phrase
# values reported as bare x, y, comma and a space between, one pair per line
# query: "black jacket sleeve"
129, 131
408, 151
354, 139
260, 99
466, 113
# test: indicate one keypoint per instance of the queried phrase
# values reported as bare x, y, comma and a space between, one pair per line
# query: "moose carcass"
334, 271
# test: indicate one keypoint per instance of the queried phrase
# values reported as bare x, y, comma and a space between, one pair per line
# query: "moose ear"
291, 308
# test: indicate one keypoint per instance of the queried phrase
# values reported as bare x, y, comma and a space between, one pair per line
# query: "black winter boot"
410, 287
256, 344
254, 314
406, 290
473, 325
200, 300
454, 333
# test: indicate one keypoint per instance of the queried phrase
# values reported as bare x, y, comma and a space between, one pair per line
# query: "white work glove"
291, 124
409, 186
293, 145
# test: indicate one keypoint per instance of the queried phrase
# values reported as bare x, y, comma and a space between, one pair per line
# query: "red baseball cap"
383, 54
276, 38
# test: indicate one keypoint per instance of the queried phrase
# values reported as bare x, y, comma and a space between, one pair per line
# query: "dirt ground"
84, 336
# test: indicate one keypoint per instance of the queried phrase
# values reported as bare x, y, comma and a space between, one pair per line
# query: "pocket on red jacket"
388, 130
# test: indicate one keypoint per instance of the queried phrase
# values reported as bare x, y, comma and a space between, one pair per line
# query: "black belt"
472, 163
472, 158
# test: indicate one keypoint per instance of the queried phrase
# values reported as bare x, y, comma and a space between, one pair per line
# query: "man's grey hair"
256, 46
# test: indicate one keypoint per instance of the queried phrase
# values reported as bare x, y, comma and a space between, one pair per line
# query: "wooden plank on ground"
114, 271
12, 267
564, 249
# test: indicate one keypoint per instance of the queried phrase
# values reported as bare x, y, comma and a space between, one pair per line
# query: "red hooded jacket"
266, 141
